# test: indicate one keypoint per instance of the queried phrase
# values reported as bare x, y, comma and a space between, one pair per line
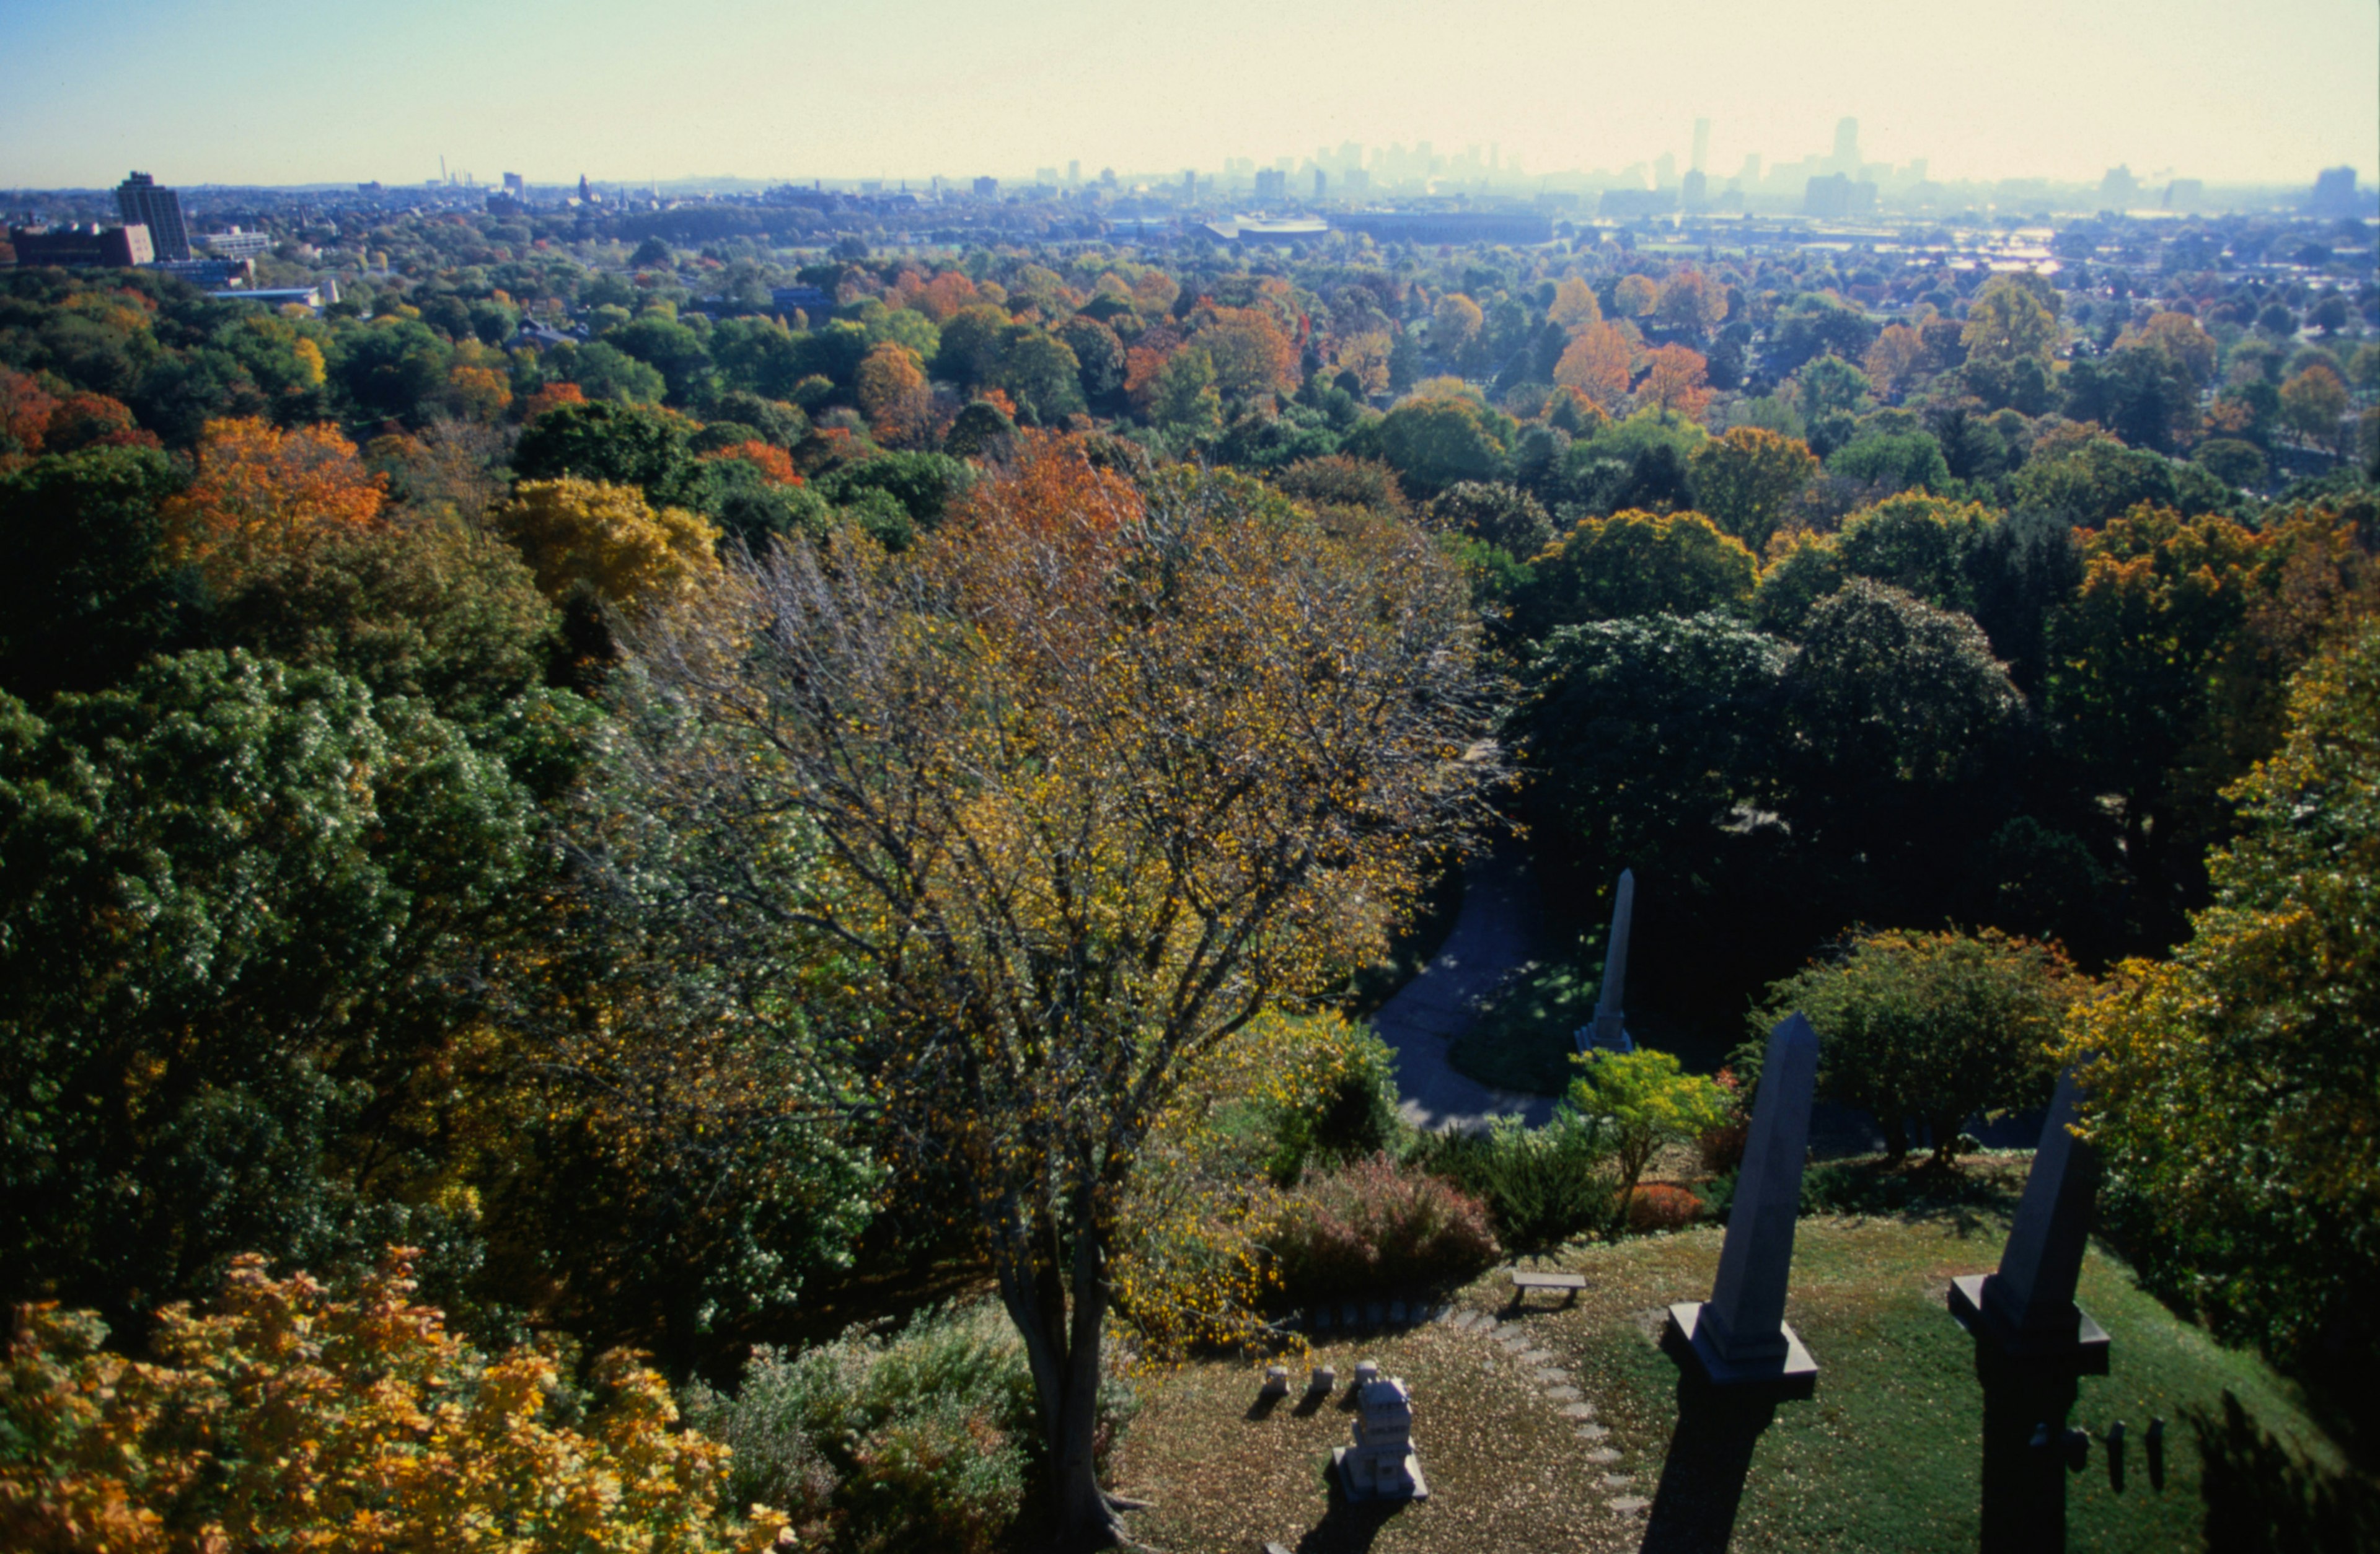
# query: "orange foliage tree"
1574, 306
262, 491
1599, 362
1674, 380
894, 395
294, 1419
1692, 301
1251, 354
1895, 360
25, 411
551, 396
774, 464
1095, 778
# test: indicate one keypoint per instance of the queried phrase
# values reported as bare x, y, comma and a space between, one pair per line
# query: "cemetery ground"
1886, 1456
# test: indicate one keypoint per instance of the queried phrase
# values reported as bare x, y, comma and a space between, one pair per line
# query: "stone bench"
1525, 1281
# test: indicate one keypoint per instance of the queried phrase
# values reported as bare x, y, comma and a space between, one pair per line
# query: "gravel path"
1495, 932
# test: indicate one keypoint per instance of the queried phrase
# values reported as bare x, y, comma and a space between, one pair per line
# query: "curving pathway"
1495, 933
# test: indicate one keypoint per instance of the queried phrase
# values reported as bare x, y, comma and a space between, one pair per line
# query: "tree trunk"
1062, 1349
1896, 1137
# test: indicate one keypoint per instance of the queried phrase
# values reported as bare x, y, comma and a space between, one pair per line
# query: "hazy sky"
317, 90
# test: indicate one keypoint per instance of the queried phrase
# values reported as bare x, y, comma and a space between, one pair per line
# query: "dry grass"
1505, 1469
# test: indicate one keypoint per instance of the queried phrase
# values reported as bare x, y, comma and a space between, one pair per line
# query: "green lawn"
1885, 1457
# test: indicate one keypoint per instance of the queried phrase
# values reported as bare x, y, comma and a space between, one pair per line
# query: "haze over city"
266, 92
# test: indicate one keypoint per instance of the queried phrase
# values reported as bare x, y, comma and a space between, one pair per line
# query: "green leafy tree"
1640, 740
1636, 564
1491, 511
1747, 481
1433, 444
620, 445
2234, 1090
86, 590
241, 910
1936, 1027
1901, 719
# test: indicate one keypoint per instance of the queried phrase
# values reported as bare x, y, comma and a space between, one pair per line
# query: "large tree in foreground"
1090, 779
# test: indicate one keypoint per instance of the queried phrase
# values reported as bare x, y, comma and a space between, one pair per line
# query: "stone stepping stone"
1554, 1377
1630, 1505
1564, 1394
1603, 1454
1578, 1411
1512, 1341
1618, 1480
1538, 1356
1485, 1324
1592, 1432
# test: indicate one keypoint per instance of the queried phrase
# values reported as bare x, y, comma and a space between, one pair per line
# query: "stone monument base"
1793, 1373
2087, 1348
1373, 1480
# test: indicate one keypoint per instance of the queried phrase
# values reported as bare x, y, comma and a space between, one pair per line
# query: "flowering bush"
292, 1419
1373, 1224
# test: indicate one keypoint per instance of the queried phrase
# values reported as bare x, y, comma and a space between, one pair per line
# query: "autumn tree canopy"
1094, 777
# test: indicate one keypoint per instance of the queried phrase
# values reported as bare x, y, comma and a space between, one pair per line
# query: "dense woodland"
679, 817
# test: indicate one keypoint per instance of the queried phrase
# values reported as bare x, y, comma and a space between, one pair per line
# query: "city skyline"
921, 87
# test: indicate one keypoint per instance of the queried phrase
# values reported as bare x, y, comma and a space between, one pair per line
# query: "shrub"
1375, 1224
923, 1441
1543, 1185
1660, 1206
1329, 1094
1643, 1101
294, 1419
1937, 1027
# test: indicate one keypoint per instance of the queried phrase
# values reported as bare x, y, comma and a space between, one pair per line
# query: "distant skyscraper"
160, 209
1075, 171
1700, 163
1665, 171
1847, 151
1321, 183
516, 185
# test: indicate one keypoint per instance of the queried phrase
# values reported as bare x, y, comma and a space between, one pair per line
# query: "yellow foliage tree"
294, 1419
1455, 325
1574, 306
1747, 480
1634, 297
609, 540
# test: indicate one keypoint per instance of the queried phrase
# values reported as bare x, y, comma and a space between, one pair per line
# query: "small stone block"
1578, 1411
1563, 1394
1538, 1356
1630, 1505
1485, 1324
1592, 1432
1618, 1480
1276, 1382
1324, 1379
1515, 1341
1367, 1370
1553, 1378
1603, 1454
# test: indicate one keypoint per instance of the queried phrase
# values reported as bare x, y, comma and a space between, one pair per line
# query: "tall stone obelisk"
2027, 1308
1740, 1335
1610, 1031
